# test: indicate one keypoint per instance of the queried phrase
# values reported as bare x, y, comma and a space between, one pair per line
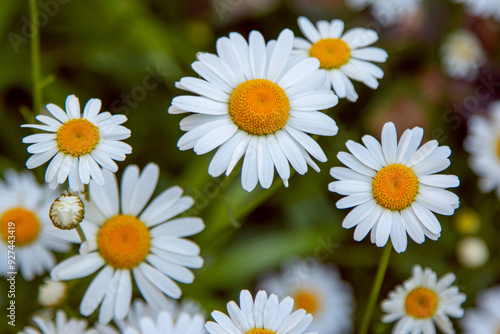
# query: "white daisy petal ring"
133, 242
265, 315
343, 56
78, 144
394, 188
255, 102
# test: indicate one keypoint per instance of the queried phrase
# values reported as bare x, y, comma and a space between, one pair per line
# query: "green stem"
80, 233
382, 267
35, 58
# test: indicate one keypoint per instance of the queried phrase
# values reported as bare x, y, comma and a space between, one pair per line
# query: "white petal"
265, 166
57, 112
249, 174
313, 123
370, 54
389, 142
257, 54
143, 190
73, 106
308, 29
281, 51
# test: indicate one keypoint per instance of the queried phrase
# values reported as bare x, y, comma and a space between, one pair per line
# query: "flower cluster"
261, 106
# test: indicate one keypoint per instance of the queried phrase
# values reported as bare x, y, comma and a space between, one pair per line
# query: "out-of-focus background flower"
129, 54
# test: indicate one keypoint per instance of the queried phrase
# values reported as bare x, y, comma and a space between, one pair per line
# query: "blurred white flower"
462, 55
25, 227
388, 12
485, 318
61, 325
472, 252
483, 144
317, 289
51, 293
265, 315
482, 8
423, 302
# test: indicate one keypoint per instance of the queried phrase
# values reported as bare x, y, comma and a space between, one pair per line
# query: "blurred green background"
129, 54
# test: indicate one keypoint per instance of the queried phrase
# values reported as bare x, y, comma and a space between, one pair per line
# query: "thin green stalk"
35, 58
382, 267
80, 233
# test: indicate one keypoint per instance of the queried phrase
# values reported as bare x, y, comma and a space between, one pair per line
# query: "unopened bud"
51, 293
67, 211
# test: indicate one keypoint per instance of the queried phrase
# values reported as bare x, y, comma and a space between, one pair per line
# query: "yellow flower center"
123, 241
259, 106
395, 187
77, 137
260, 331
25, 229
498, 148
421, 303
331, 53
306, 300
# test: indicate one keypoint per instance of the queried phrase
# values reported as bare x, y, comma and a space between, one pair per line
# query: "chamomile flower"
61, 325
388, 12
482, 8
343, 56
483, 144
422, 302
394, 188
142, 319
265, 315
256, 102
485, 318
318, 290
462, 55
79, 145
25, 227
125, 237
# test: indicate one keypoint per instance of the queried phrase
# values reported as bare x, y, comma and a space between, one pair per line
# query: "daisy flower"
422, 301
485, 319
265, 315
482, 8
483, 144
393, 187
388, 12
173, 320
256, 102
61, 326
79, 145
462, 55
343, 56
126, 239
25, 227
318, 290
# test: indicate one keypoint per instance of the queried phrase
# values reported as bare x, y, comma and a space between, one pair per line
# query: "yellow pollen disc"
421, 303
498, 148
123, 241
307, 301
26, 226
260, 331
77, 137
395, 187
259, 106
331, 52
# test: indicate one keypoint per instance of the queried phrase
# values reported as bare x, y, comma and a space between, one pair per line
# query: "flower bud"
67, 211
